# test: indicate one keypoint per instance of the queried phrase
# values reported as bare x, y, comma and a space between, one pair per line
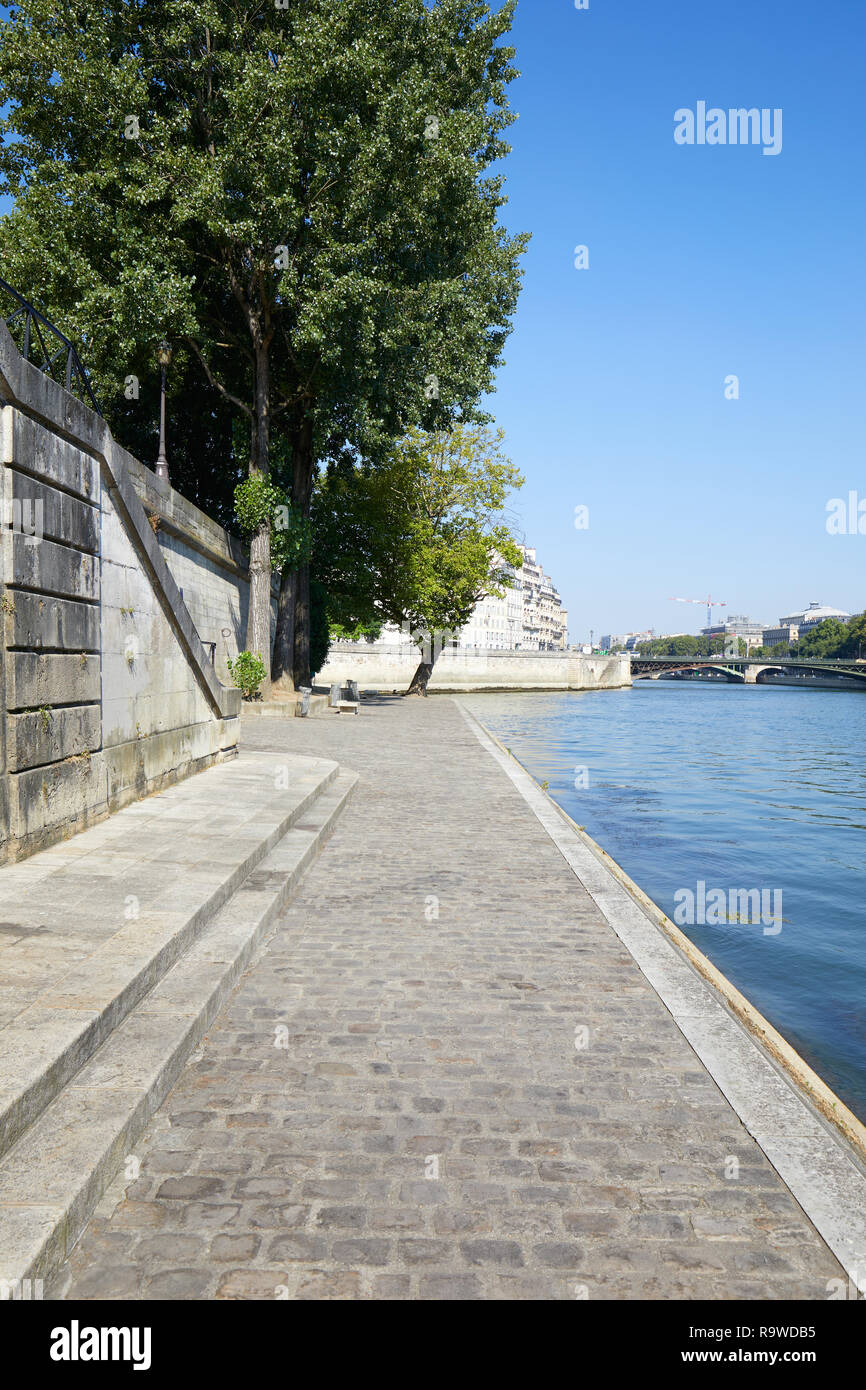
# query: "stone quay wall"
107, 691
208, 564
459, 669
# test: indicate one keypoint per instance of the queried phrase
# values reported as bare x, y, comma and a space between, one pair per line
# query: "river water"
733, 787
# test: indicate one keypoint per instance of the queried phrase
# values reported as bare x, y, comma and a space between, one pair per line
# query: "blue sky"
703, 262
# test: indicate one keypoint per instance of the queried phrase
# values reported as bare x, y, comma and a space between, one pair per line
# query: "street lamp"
163, 356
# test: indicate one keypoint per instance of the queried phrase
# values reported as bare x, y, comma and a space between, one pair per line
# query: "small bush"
248, 671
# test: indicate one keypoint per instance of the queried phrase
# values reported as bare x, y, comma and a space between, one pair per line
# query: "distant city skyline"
746, 623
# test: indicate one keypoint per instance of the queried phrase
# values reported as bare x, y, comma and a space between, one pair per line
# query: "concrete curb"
53, 1178
812, 1140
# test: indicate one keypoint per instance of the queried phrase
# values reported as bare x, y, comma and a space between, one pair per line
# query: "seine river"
736, 788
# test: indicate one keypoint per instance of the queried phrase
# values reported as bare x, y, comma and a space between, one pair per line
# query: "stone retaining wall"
107, 692
459, 669
208, 564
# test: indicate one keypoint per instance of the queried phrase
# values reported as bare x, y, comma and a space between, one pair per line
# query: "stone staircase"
117, 950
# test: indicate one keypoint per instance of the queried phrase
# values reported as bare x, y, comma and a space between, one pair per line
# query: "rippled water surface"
738, 787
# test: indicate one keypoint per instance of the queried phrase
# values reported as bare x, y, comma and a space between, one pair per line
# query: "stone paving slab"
400, 1102
52, 1177
90, 925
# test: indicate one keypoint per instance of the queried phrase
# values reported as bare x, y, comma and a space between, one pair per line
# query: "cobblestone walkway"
393, 1105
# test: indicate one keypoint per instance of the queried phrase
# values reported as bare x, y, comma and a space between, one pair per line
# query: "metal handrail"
75, 378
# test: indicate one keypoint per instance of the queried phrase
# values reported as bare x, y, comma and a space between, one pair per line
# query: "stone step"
54, 1176
283, 708
123, 901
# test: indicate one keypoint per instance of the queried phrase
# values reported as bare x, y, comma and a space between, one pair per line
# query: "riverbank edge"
827, 1178
463, 670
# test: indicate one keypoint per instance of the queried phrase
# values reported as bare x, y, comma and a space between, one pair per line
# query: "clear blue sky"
704, 262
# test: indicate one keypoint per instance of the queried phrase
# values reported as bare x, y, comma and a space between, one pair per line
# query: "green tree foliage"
260, 502
684, 645
203, 463
854, 643
299, 197
320, 636
778, 649
834, 639
348, 550
429, 523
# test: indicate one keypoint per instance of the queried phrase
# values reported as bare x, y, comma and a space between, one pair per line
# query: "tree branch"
235, 400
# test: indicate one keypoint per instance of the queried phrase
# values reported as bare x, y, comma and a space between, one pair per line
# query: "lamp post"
163, 355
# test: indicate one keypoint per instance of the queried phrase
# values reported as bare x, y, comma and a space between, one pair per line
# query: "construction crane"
710, 602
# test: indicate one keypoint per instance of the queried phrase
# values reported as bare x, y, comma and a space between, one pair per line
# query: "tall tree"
827, 639
297, 192
430, 521
854, 643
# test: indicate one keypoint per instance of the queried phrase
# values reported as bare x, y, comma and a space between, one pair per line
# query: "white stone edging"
819, 1168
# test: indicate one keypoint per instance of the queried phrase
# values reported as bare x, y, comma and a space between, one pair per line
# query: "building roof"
815, 613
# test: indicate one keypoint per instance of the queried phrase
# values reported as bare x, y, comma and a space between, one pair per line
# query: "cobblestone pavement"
393, 1106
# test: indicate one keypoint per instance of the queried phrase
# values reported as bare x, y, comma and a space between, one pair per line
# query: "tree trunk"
291, 664
259, 616
302, 626
302, 490
258, 639
418, 683
282, 669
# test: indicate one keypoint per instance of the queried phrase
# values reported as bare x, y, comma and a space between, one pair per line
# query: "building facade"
633, 640
624, 640
741, 627
497, 623
545, 621
529, 616
785, 632
796, 625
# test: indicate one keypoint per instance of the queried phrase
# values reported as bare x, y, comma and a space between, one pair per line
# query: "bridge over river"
748, 670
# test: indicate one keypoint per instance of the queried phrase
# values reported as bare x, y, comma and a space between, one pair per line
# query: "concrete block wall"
107, 692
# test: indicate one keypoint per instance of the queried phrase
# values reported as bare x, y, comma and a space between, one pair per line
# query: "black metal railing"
35, 334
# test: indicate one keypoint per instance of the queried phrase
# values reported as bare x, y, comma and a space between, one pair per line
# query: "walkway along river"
695, 787
481, 1093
